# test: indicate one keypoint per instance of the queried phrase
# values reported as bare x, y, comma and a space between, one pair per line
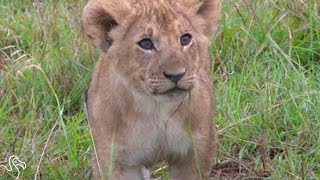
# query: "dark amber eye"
185, 39
146, 44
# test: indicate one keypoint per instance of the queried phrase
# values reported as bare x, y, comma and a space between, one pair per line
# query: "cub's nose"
174, 76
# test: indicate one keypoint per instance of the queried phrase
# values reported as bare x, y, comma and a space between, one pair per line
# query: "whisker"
154, 80
192, 77
205, 80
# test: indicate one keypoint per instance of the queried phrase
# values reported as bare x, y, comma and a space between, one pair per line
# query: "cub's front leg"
202, 135
116, 172
197, 165
103, 149
105, 168
104, 122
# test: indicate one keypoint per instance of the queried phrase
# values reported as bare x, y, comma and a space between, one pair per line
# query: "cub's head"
156, 47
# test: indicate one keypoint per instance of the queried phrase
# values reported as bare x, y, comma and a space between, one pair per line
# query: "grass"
267, 86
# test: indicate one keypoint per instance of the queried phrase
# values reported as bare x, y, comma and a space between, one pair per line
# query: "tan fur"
135, 120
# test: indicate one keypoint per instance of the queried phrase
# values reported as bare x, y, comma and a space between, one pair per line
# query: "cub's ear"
208, 11
99, 18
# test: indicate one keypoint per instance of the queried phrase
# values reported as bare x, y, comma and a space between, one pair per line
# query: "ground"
266, 71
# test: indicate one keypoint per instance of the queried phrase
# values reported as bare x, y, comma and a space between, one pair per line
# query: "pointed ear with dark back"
99, 18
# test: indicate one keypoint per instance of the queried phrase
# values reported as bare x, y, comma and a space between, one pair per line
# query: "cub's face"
156, 47
158, 61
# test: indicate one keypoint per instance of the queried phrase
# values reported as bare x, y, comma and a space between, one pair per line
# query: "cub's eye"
146, 44
185, 39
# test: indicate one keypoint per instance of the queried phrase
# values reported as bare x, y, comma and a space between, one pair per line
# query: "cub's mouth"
173, 91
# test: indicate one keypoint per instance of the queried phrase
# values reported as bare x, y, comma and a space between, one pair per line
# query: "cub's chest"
157, 137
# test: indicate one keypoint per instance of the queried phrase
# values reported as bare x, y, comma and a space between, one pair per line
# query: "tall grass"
267, 86
47, 68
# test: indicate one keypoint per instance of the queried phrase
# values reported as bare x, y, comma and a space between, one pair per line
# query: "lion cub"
151, 95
